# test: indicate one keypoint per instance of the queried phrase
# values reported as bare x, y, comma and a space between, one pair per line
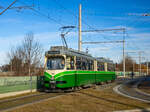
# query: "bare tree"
32, 52
26, 57
129, 64
15, 60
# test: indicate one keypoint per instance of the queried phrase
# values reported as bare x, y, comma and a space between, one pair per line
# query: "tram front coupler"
52, 83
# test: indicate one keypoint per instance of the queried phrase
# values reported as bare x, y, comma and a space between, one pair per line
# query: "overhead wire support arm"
104, 30
8, 7
102, 42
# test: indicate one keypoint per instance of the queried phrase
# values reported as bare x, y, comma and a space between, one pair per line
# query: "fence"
129, 74
20, 83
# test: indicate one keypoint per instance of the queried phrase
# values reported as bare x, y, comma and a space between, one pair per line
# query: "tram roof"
68, 51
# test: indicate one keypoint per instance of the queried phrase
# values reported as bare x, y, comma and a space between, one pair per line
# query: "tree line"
131, 65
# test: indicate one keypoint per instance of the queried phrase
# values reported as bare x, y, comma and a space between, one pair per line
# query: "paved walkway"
135, 110
15, 93
129, 89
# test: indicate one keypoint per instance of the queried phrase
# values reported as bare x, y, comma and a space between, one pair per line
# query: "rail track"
8, 104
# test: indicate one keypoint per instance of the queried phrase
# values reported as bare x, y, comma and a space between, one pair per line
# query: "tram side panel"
65, 79
69, 79
102, 76
85, 78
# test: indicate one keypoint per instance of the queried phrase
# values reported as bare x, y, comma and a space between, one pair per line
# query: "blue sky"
98, 14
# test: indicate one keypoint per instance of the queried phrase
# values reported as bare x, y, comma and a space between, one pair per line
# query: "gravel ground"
87, 100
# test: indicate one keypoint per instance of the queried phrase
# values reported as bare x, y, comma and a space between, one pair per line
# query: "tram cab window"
54, 63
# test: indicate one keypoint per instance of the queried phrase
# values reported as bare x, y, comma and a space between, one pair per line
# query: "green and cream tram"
67, 68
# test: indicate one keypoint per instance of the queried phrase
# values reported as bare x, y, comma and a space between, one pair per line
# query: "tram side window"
111, 67
70, 63
84, 64
78, 63
100, 66
83, 67
90, 65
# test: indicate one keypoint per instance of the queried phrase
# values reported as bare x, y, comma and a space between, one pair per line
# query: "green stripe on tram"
79, 78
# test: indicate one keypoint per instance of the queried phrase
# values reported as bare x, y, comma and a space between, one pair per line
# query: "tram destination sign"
53, 52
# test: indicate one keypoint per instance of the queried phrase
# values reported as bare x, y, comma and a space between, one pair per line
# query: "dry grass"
145, 87
89, 100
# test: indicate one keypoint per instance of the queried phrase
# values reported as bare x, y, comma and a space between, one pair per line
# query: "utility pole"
140, 58
8, 7
80, 35
124, 66
147, 67
140, 63
133, 66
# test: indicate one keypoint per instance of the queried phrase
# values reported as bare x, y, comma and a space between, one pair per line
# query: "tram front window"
55, 63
